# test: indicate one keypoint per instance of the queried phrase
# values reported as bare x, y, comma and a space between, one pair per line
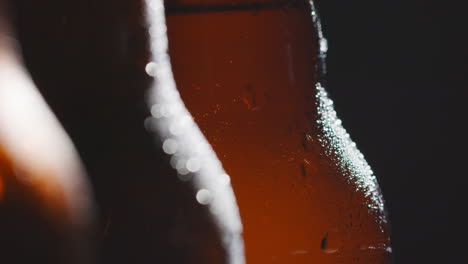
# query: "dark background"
397, 71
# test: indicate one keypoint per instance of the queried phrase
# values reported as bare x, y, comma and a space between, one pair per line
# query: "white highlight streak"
195, 159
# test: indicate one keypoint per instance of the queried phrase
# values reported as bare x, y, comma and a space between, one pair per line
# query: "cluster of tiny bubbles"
190, 154
342, 150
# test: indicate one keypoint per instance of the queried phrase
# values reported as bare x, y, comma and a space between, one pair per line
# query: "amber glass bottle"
46, 210
251, 75
89, 59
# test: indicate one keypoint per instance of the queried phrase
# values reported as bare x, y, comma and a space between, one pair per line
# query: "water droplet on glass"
303, 170
170, 146
307, 142
325, 245
343, 151
150, 69
248, 98
193, 164
204, 196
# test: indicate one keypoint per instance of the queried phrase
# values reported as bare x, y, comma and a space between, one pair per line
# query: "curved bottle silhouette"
89, 59
251, 74
46, 206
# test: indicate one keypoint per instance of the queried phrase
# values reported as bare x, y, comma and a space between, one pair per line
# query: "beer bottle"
161, 193
46, 213
251, 73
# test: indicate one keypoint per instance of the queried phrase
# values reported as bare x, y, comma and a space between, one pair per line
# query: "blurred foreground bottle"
251, 74
162, 197
46, 210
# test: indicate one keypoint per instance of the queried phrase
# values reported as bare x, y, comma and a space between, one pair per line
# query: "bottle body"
88, 58
46, 205
250, 74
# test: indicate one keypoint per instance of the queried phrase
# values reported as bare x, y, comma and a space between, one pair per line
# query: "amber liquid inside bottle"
249, 75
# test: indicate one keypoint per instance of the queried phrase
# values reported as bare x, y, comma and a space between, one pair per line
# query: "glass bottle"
46, 205
251, 73
89, 59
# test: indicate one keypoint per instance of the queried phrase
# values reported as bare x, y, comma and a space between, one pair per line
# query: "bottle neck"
312, 40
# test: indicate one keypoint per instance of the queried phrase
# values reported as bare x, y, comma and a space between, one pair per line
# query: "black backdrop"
397, 71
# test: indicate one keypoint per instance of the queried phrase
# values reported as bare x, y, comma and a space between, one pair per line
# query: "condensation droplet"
193, 164
303, 170
204, 196
343, 151
170, 146
150, 69
324, 245
307, 142
248, 98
